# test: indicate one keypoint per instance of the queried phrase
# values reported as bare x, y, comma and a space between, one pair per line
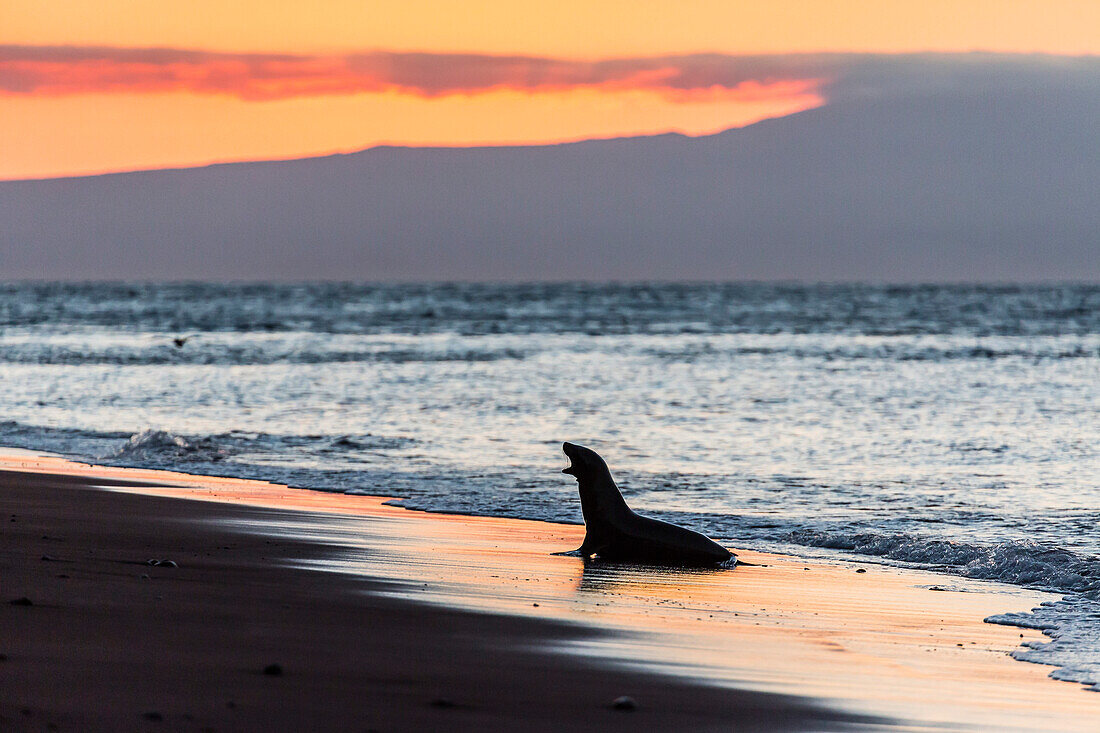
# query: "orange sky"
62, 117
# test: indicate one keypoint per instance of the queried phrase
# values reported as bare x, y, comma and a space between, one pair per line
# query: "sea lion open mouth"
571, 469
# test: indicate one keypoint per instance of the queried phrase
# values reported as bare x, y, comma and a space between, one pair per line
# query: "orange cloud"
52, 71
69, 70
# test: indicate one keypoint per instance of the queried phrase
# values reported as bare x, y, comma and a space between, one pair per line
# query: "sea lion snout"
570, 452
583, 462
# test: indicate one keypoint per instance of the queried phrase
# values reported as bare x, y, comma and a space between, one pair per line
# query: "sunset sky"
89, 87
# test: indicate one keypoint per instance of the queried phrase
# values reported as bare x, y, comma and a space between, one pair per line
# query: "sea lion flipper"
592, 545
570, 553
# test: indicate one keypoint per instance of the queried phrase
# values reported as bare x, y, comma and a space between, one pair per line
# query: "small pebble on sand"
624, 703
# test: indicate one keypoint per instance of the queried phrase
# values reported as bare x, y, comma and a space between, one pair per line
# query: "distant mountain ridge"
939, 187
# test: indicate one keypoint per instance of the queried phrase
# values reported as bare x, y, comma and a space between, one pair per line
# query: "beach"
292, 609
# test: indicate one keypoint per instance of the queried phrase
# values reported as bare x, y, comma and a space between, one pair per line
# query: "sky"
113, 85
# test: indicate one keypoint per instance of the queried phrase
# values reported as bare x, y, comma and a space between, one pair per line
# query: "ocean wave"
160, 444
903, 351
367, 442
1017, 562
298, 460
259, 355
1073, 648
264, 354
162, 447
471, 308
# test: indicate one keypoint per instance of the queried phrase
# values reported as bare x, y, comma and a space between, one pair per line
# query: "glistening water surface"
948, 427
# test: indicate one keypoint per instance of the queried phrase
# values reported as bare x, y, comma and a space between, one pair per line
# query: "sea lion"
614, 532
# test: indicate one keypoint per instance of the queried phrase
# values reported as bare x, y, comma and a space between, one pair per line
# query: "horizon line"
519, 282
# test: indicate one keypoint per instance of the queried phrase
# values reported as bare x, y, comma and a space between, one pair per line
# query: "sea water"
953, 428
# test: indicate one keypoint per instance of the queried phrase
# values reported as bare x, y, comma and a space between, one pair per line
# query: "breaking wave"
159, 445
1017, 562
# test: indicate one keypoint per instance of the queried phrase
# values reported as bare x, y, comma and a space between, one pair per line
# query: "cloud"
67, 70
64, 70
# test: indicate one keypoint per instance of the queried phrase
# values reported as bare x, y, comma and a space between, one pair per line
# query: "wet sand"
394, 620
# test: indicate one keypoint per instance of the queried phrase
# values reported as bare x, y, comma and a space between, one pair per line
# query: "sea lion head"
583, 463
601, 503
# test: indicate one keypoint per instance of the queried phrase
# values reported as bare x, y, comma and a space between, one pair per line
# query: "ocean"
951, 428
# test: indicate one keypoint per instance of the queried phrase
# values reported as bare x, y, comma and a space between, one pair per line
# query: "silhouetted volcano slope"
933, 188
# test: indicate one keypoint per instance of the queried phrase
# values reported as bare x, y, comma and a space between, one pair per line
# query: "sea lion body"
614, 532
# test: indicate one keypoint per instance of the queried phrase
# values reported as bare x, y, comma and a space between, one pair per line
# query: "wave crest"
160, 444
1017, 562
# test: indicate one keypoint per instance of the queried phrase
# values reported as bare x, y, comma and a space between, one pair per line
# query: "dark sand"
111, 643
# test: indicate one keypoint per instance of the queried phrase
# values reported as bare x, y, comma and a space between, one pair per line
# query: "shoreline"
106, 642
816, 641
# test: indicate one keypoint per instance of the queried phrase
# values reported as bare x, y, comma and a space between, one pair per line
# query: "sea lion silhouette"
614, 532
